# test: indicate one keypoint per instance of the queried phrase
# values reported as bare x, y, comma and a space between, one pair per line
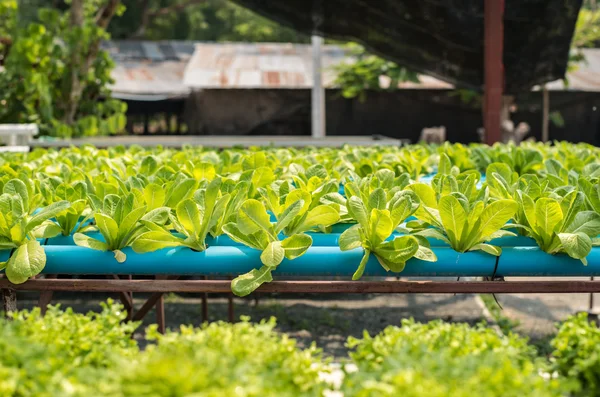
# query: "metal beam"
494, 69
338, 287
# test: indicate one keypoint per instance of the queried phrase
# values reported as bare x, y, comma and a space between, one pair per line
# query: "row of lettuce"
269, 199
95, 354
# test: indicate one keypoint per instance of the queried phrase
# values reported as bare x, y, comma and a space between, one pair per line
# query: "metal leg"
46, 296
9, 297
230, 314
160, 314
204, 304
591, 305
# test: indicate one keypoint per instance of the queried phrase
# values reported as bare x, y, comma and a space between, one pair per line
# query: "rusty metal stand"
162, 285
494, 69
46, 297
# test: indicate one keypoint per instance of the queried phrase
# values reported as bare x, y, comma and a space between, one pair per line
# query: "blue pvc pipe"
318, 261
224, 261
532, 262
319, 240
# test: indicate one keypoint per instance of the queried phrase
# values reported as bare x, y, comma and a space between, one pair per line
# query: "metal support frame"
160, 286
494, 69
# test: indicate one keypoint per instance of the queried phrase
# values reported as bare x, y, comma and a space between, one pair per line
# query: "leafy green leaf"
155, 240
321, 215
454, 218
27, 261
252, 217
288, 215
350, 239
576, 245
296, 245
108, 227
83, 240
247, 283
494, 216
189, 216
377, 199
488, 248
273, 254
361, 266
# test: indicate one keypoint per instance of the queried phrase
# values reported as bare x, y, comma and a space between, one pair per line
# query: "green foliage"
193, 219
63, 353
222, 359
377, 215
464, 224
19, 230
364, 73
560, 225
121, 221
88, 340
276, 200
576, 354
45, 62
212, 20
254, 229
442, 359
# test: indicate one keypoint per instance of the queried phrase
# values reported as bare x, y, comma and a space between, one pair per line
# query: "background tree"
55, 73
202, 20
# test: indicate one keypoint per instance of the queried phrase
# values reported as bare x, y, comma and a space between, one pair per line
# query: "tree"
367, 71
202, 20
57, 76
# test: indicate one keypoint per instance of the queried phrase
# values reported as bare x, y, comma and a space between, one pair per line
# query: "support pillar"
494, 69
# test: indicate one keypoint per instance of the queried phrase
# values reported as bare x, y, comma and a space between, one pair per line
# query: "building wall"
399, 114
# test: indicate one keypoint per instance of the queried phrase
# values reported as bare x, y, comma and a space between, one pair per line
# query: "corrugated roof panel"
152, 51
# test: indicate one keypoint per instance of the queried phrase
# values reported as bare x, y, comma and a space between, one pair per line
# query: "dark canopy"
442, 38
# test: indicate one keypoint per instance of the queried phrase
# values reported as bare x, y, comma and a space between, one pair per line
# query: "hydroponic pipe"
317, 261
224, 261
319, 240
532, 262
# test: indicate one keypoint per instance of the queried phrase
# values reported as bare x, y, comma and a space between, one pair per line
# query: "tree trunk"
81, 63
75, 92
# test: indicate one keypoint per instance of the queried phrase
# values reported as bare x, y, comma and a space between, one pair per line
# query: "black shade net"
442, 38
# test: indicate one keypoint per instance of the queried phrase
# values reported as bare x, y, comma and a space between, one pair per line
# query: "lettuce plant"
376, 220
592, 193
193, 219
19, 231
463, 225
75, 218
254, 229
118, 219
560, 225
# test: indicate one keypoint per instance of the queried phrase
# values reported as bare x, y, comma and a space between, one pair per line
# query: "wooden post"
9, 297
494, 70
160, 314
204, 304
46, 296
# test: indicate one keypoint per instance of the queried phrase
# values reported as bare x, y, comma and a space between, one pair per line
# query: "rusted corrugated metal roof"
149, 78
270, 65
153, 70
172, 69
